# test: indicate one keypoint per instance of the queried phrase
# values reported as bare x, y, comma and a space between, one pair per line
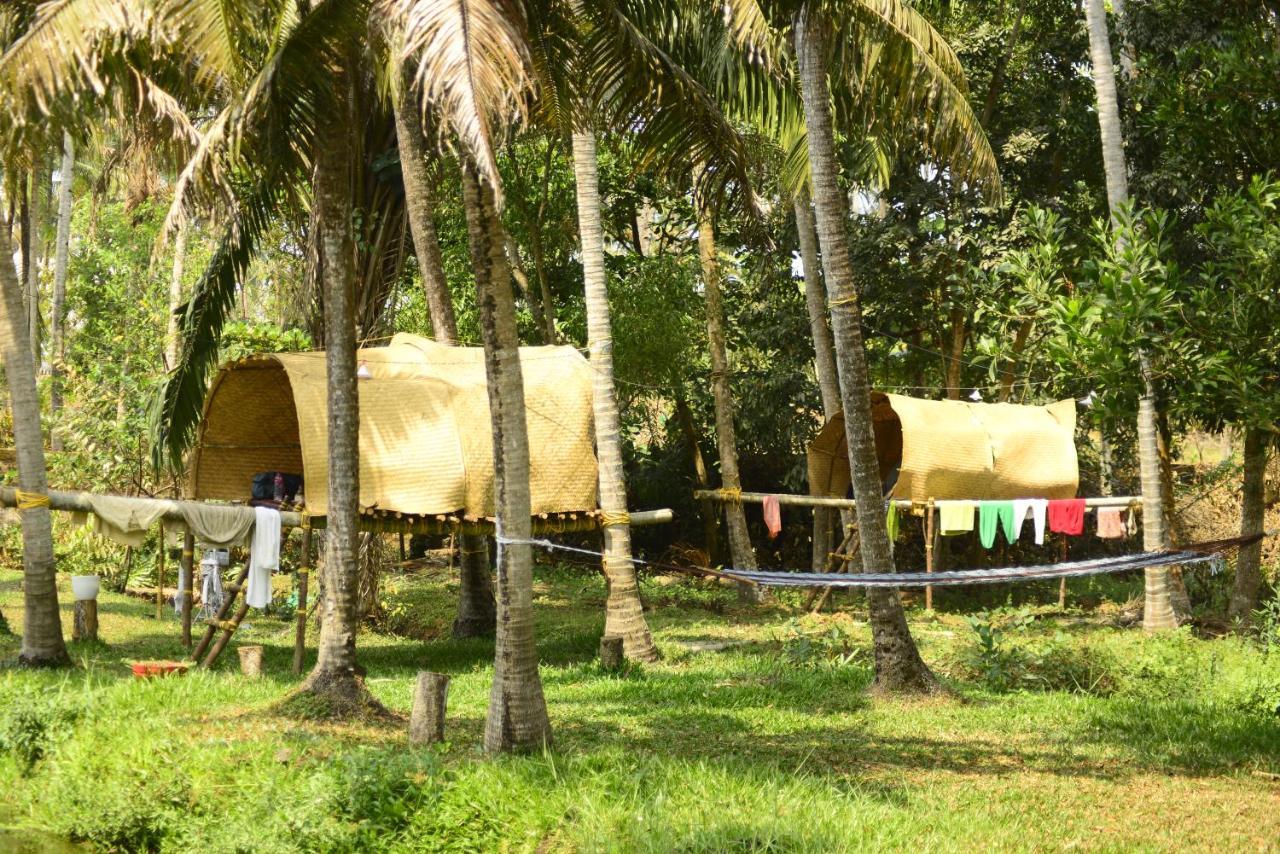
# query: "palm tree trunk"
476, 610
740, 550
517, 718
1244, 594
420, 202
624, 614
824, 357
898, 664
336, 676
35, 223
62, 256
1158, 610
42, 624
172, 338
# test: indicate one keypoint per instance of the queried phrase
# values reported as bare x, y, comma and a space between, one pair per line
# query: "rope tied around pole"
733, 494
610, 520
837, 303
30, 500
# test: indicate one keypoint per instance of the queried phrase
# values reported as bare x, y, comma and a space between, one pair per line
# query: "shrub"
30, 728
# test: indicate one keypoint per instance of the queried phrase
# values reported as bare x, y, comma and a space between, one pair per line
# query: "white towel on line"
264, 556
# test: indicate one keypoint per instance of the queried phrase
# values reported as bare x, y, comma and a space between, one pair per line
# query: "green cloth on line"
219, 526
125, 519
891, 521
991, 513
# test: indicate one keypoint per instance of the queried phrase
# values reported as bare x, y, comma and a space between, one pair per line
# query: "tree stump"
611, 652
251, 661
85, 626
430, 695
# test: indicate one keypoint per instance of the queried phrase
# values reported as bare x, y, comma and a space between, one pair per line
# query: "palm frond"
59, 51
208, 34
473, 68
177, 407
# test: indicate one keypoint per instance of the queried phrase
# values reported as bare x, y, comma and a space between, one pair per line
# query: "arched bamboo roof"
425, 437
950, 449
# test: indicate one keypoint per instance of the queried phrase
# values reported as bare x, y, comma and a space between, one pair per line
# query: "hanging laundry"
772, 515
219, 527
264, 556
123, 519
1037, 507
991, 516
955, 517
1110, 523
891, 521
1066, 516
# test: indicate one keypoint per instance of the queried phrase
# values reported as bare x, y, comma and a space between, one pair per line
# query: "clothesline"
1188, 555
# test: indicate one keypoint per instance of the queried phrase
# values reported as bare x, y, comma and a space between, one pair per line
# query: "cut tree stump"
251, 661
85, 626
430, 696
611, 652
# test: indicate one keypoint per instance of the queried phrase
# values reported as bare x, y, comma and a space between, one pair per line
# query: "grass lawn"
1066, 732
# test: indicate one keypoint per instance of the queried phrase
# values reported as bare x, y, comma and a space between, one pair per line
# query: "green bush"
31, 726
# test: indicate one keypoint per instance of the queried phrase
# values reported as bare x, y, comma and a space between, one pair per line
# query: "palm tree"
624, 614
1158, 613
42, 643
740, 549
62, 252
899, 71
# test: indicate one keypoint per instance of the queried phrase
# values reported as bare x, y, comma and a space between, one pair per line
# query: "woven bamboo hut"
425, 438
950, 449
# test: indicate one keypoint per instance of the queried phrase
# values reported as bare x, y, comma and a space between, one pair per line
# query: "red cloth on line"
772, 515
1066, 516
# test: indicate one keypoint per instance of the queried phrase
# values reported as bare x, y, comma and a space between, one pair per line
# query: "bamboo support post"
186, 567
228, 629
300, 616
430, 699
85, 624
160, 577
251, 661
929, 523
231, 591
611, 652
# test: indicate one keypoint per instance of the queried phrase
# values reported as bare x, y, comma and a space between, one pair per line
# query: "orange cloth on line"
1110, 523
772, 515
1066, 516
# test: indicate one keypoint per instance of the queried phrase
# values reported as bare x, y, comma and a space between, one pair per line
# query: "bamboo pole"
300, 616
79, 502
902, 503
213, 624
228, 629
929, 513
186, 567
160, 577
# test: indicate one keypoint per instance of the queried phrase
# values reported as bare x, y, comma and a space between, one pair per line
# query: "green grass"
1069, 732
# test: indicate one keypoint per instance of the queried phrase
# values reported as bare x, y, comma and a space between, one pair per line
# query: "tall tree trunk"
706, 507
172, 337
62, 257
897, 660
740, 550
420, 202
1009, 373
42, 624
1244, 594
517, 718
336, 676
537, 306
1158, 610
954, 367
35, 222
476, 610
624, 614
824, 357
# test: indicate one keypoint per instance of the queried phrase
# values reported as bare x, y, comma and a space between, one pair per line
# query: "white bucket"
85, 587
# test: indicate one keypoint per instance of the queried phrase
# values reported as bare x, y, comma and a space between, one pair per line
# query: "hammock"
1191, 554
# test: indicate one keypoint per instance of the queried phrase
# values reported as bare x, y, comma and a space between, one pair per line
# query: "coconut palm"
897, 68
1158, 610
